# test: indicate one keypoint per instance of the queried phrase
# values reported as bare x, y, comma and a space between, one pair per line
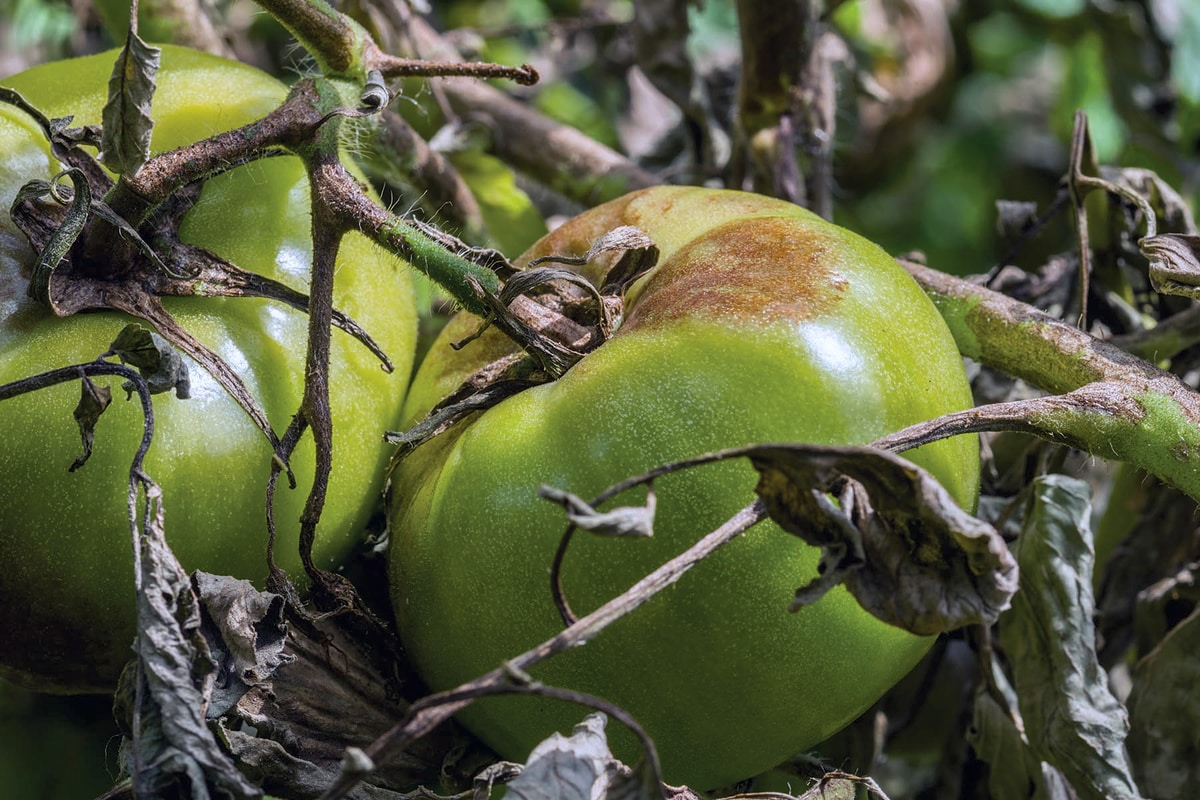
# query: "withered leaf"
375, 94
1015, 771
624, 521
578, 767
79, 201
638, 253
93, 400
998, 742
1015, 218
159, 363
245, 632
527, 281
173, 751
842, 786
895, 538
127, 120
1174, 263
443, 417
1072, 720
1171, 211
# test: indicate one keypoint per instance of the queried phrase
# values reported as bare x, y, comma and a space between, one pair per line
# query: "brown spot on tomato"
759, 269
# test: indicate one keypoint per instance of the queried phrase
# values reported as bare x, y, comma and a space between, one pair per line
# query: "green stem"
341, 195
461, 278
458, 276
1106, 401
334, 40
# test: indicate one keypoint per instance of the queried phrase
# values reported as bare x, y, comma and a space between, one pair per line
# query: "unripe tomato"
761, 323
66, 584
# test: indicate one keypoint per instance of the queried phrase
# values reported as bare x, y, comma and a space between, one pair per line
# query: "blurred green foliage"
42, 24
1003, 130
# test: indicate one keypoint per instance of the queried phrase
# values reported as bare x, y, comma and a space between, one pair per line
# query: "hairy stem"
314, 408
1113, 404
452, 272
331, 38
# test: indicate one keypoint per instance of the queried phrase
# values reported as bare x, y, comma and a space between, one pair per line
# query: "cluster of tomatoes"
759, 323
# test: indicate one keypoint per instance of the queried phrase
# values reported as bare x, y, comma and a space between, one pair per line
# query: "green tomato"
66, 588
760, 323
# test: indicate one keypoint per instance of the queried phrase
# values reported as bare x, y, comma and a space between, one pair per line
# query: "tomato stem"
1110, 403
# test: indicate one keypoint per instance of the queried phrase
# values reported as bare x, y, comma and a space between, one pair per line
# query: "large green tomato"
66, 582
761, 323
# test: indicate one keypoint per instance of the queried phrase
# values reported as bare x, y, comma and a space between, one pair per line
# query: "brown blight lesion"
762, 270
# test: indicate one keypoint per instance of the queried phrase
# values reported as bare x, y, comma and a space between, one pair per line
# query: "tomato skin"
66, 588
761, 323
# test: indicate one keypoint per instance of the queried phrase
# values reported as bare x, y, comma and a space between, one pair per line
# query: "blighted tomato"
760, 323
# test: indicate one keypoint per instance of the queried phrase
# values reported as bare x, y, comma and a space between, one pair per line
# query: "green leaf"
1072, 720
513, 222
127, 121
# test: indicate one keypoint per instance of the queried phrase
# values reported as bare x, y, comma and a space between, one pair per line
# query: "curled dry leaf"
127, 121
165, 693
534, 279
495, 382
1171, 211
552, 343
158, 362
636, 254
93, 400
575, 767
56, 238
296, 700
632, 521
245, 632
898, 542
1174, 263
